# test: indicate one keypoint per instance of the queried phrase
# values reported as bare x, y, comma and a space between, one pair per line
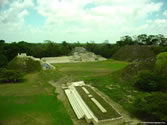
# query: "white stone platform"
81, 109
79, 106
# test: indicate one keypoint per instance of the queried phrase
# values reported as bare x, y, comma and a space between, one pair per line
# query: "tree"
146, 81
149, 81
161, 63
142, 39
52, 49
8, 76
159, 49
125, 40
11, 50
24, 47
3, 60
163, 40
2, 43
151, 107
65, 48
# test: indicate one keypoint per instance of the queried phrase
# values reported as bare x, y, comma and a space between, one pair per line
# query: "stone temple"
78, 54
88, 104
82, 55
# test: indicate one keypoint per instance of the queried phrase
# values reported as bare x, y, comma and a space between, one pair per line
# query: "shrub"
3, 60
161, 64
148, 80
8, 76
145, 80
33, 66
151, 107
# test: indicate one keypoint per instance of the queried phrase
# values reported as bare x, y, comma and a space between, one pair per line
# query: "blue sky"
78, 20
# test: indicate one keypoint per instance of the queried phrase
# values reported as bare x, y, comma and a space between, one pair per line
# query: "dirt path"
61, 96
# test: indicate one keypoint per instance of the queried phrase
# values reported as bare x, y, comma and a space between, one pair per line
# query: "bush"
3, 60
161, 64
148, 80
33, 66
159, 49
8, 76
151, 107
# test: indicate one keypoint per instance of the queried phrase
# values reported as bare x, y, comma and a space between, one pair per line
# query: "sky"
80, 20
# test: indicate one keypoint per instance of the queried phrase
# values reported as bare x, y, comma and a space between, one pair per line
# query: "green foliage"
11, 50
159, 49
3, 61
106, 49
33, 66
161, 63
132, 69
148, 80
126, 40
7, 76
151, 107
2, 43
159, 39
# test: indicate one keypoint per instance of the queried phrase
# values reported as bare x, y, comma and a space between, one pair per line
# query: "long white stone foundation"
75, 105
80, 108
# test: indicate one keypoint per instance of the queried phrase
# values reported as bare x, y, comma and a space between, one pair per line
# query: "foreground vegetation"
139, 85
107, 77
34, 97
32, 101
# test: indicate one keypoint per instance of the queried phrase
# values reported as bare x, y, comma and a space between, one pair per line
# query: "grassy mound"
24, 64
133, 52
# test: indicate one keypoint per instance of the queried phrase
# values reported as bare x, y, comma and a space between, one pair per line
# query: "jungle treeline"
50, 48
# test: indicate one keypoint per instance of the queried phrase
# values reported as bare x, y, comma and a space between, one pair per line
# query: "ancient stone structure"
82, 110
80, 54
45, 65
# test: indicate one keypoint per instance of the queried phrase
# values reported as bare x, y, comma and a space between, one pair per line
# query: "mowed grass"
32, 102
87, 69
104, 75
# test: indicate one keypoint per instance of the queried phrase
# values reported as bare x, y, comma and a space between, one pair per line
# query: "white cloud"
3, 2
157, 26
69, 20
108, 19
12, 19
14, 16
165, 13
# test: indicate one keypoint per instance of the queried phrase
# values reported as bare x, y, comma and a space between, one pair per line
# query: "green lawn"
104, 75
90, 69
32, 102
